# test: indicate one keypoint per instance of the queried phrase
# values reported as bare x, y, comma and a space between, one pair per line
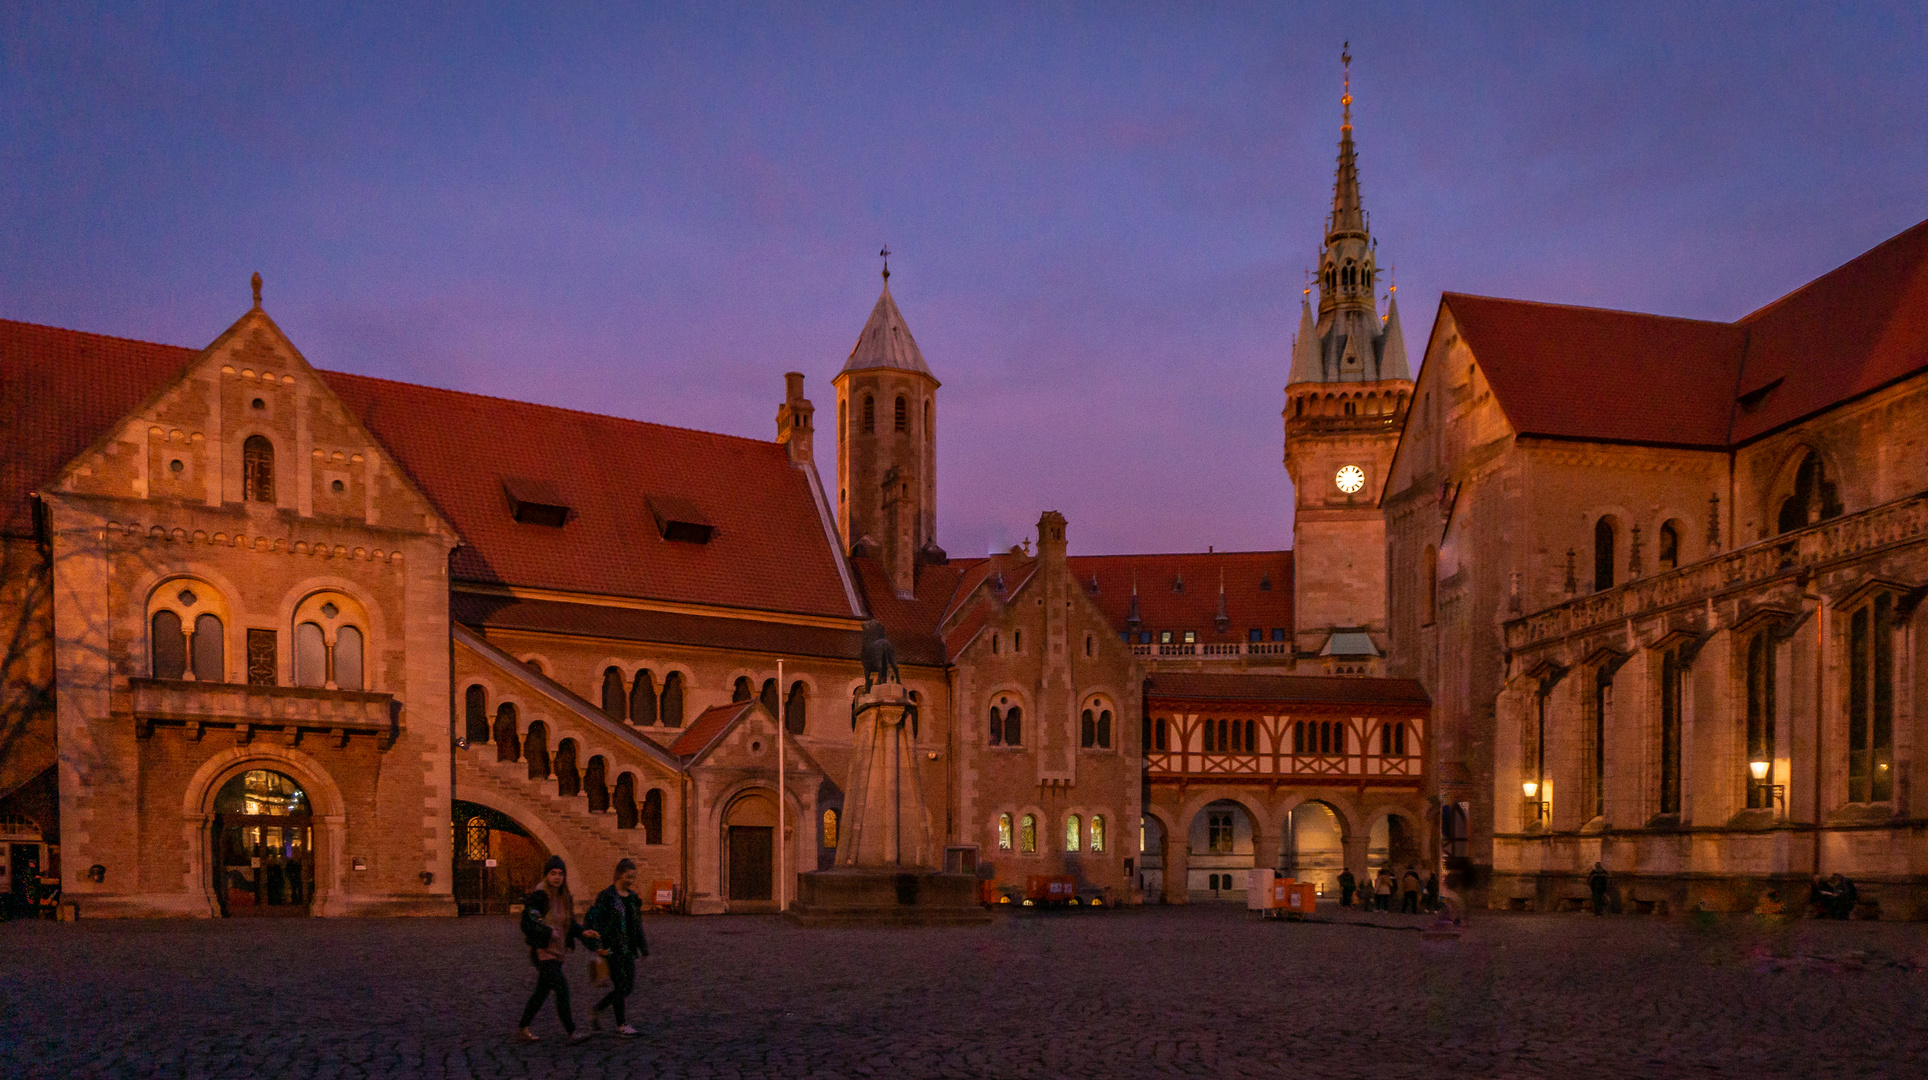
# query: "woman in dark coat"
549, 926
617, 915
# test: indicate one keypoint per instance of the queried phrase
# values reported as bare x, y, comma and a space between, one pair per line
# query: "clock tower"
1346, 403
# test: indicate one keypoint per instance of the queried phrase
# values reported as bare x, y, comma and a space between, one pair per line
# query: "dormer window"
680, 520
535, 502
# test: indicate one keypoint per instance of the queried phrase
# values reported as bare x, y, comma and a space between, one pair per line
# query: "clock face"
1351, 479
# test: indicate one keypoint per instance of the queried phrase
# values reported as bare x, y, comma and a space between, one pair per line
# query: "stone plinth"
867, 896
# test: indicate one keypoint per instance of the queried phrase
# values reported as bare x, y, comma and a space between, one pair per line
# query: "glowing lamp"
1758, 768
1531, 787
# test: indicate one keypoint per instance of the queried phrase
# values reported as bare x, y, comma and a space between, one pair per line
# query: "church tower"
1346, 403
887, 447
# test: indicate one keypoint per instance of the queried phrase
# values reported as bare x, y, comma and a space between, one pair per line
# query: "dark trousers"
549, 977
622, 983
1599, 901
1345, 896
1409, 902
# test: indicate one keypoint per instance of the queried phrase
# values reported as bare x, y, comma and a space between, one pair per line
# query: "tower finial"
885, 255
256, 282
1345, 57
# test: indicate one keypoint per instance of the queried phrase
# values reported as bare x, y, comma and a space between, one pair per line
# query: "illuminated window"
1028, 835
1073, 832
1218, 827
476, 844
830, 829
1004, 832
1097, 833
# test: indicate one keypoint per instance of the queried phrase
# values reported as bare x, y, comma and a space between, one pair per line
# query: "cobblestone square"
1201, 991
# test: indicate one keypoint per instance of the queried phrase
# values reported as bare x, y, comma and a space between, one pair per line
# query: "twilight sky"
1100, 214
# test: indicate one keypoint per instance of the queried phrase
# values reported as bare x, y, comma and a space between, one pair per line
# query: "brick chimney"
794, 427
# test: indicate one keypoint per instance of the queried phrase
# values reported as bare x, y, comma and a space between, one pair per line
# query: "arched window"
168, 646
348, 658
1073, 832
930, 432
672, 711
1813, 498
311, 655
997, 726
830, 828
653, 816
769, 699
257, 469
796, 709
210, 650
475, 714
626, 801
1104, 729
642, 699
1669, 546
1429, 586
993, 644
1014, 726
903, 414
741, 690
508, 745
595, 781
475, 843
1603, 554
1028, 835
1097, 834
1088, 730
568, 776
870, 414
1087, 644
1004, 832
1351, 407
1871, 701
615, 703
535, 750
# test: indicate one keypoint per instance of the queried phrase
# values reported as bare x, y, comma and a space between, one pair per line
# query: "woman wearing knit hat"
549, 926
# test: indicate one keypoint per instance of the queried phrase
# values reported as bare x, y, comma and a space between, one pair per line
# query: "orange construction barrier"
1041, 889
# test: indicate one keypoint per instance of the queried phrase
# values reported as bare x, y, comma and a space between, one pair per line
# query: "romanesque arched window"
167, 646
642, 699
997, 726
615, 703
595, 783
740, 690
348, 658
769, 699
1104, 729
1004, 832
1014, 726
475, 714
1073, 832
508, 744
870, 414
903, 414
1097, 834
1028, 835
535, 750
257, 469
210, 649
653, 816
672, 708
796, 709
1088, 730
626, 815
568, 776
1603, 538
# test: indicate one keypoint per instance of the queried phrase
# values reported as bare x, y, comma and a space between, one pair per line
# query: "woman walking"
617, 915
549, 926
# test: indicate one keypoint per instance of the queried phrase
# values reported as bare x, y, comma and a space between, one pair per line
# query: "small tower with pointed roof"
1346, 402
887, 447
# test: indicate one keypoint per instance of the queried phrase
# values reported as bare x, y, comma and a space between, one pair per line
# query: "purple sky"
1100, 216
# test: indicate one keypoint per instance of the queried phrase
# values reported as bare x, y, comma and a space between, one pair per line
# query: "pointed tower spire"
1346, 268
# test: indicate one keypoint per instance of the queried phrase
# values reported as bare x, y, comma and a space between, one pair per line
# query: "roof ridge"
96, 334
1170, 554
1586, 307
1904, 234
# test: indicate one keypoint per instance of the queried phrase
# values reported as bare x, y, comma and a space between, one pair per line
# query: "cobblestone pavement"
1201, 991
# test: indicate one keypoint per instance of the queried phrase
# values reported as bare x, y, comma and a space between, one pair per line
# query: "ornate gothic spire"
1346, 270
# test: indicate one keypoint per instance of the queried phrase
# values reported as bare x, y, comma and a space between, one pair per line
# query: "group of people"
612, 928
1833, 898
1415, 896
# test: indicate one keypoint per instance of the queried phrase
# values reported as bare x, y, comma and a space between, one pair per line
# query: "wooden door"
752, 851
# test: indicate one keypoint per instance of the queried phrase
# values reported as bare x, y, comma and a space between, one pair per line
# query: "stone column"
1178, 862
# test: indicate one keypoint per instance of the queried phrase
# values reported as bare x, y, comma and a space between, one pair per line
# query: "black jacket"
536, 931
619, 919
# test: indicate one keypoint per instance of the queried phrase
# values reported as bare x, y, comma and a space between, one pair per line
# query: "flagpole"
783, 884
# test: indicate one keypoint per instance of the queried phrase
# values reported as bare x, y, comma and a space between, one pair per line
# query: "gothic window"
870, 414
595, 782
1104, 729
1671, 670
902, 419
1073, 832
311, 655
1028, 835
769, 699
210, 650
1669, 546
1088, 730
168, 645
348, 658
257, 469
672, 709
1218, 832
1004, 832
1871, 701
796, 708
1760, 719
740, 691
1813, 498
1603, 554
625, 799
1097, 834
653, 816
1429, 586
535, 750
475, 713
642, 699
264, 668
830, 829
997, 726
568, 776
507, 744
615, 703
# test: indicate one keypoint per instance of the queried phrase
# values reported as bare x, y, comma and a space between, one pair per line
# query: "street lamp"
1777, 793
1538, 805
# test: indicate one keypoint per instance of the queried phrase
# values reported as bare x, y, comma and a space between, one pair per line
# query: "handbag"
598, 971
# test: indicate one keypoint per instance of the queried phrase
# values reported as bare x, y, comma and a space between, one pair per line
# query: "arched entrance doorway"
1221, 852
1317, 844
1151, 859
264, 842
749, 852
497, 862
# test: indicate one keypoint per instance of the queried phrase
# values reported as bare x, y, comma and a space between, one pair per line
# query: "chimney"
794, 429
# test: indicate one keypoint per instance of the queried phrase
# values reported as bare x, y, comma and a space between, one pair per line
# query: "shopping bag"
598, 971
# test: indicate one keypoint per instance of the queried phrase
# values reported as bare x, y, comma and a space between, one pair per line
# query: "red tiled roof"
705, 730
912, 624
666, 627
1589, 373
60, 391
1293, 689
1160, 607
1853, 329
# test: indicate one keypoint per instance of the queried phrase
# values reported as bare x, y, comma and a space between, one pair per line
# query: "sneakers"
626, 1031
525, 1035
581, 1036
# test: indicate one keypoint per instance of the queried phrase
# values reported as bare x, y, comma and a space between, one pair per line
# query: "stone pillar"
1355, 849
1178, 864
1265, 850
885, 822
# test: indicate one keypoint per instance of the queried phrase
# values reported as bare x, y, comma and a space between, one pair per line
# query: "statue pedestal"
886, 862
